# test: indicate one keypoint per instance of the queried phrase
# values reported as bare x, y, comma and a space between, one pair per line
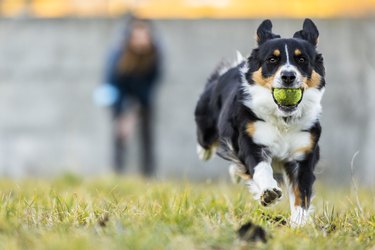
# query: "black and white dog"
237, 114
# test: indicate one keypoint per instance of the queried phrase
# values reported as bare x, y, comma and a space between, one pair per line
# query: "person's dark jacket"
137, 86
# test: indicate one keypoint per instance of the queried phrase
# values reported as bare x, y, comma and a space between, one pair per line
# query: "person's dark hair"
137, 61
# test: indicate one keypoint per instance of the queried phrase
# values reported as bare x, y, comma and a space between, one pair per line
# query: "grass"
131, 213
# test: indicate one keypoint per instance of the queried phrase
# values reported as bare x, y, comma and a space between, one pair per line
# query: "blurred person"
131, 77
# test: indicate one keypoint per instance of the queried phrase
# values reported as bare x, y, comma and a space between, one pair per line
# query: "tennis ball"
287, 96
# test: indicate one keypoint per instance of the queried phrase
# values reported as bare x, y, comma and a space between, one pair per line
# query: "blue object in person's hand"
105, 95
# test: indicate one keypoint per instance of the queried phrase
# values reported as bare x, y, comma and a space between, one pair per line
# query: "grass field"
131, 213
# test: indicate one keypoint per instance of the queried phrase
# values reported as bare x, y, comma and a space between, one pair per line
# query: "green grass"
131, 213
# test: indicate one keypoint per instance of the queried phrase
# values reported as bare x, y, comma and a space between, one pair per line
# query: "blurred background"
53, 54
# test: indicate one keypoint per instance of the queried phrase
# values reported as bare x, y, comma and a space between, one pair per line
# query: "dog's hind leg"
237, 173
207, 138
207, 135
206, 154
233, 172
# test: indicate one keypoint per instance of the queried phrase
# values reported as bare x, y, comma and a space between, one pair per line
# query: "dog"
238, 117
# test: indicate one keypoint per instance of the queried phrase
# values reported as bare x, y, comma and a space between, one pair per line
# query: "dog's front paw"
270, 196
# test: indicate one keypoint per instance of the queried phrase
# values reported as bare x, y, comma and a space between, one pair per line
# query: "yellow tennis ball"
287, 96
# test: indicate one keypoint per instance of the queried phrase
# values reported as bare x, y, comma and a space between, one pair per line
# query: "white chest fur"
285, 141
282, 142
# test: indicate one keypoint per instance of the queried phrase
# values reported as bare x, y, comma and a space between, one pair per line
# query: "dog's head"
291, 63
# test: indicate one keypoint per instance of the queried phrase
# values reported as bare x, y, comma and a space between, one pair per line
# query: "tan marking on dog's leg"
250, 128
307, 149
297, 196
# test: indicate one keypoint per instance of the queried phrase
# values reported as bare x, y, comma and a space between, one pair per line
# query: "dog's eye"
301, 60
273, 60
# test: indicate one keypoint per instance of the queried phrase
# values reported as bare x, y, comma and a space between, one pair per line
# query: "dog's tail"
219, 70
224, 66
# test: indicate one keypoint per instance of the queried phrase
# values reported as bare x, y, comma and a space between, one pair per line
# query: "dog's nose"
288, 77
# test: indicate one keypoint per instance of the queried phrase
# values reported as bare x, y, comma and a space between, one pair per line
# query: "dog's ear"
264, 32
309, 32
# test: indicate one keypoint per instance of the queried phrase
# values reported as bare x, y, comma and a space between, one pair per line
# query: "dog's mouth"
287, 99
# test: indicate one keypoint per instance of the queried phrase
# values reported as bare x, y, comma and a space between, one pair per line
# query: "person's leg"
147, 153
118, 142
123, 127
119, 148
